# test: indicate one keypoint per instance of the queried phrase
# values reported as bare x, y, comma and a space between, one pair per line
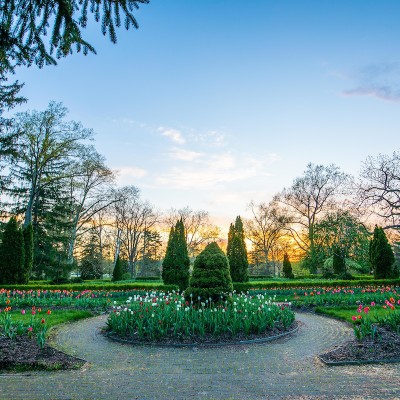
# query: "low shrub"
244, 287
148, 278
95, 286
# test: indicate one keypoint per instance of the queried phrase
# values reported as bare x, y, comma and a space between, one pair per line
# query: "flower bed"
170, 318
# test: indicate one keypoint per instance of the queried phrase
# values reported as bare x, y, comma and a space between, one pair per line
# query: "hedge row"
106, 286
244, 287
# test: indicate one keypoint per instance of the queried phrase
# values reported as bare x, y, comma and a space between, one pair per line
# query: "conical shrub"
211, 277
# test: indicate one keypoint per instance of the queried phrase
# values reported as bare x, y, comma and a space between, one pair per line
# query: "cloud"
212, 137
212, 170
126, 174
173, 134
377, 80
382, 92
184, 155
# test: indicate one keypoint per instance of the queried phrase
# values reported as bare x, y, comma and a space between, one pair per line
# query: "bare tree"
379, 187
133, 218
198, 229
267, 225
309, 197
90, 191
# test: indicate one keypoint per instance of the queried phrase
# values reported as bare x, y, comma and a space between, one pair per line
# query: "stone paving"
283, 369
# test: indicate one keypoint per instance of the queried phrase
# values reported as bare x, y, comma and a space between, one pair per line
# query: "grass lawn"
56, 317
345, 313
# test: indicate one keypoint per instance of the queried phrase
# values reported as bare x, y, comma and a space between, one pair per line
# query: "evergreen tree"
28, 246
211, 278
12, 254
237, 252
381, 255
91, 265
25, 26
168, 273
287, 267
118, 271
176, 262
339, 262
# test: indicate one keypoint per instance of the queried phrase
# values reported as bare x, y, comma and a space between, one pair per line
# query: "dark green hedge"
107, 286
148, 278
243, 287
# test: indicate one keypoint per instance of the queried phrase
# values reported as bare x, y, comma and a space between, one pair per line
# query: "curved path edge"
286, 368
177, 345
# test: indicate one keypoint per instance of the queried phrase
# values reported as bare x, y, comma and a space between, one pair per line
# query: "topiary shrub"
287, 267
381, 255
175, 267
236, 252
118, 272
211, 278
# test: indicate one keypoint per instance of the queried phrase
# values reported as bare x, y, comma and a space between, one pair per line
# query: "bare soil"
23, 353
385, 347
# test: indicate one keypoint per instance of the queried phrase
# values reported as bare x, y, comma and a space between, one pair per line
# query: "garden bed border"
238, 343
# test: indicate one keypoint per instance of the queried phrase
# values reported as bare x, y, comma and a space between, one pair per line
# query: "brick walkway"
282, 369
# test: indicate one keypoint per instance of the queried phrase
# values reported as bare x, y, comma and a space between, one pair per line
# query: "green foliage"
96, 286
343, 234
313, 261
91, 266
245, 286
25, 24
175, 267
211, 278
381, 255
118, 272
170, 318
237, 252
338, 261
287, 267
12, 254
28, 248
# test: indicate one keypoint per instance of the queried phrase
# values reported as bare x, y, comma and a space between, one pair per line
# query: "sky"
214, 103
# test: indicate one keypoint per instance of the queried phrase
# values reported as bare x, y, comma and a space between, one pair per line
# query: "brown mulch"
23, 353
385, 347
206, 340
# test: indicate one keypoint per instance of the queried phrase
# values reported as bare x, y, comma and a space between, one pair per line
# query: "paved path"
283, 369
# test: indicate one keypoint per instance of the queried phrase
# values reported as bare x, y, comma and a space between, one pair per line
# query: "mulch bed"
384, 348
23, 353
206, 340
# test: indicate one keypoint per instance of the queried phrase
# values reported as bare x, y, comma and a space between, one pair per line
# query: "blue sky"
214, 103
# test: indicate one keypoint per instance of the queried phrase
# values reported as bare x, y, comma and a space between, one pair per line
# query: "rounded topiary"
211, 278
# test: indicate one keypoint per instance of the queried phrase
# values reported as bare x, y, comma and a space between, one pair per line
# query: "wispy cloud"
175, 135
184, 155
212, 137
212, 170
127, 174
377, 80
